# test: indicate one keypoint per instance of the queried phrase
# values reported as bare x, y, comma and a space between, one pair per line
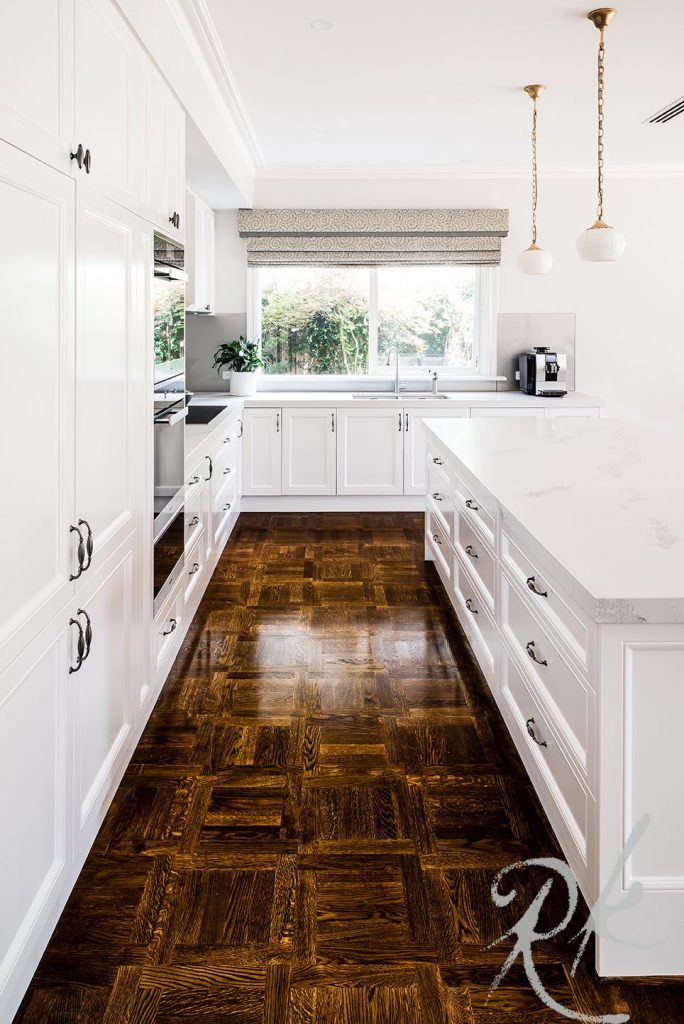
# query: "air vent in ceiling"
667, 113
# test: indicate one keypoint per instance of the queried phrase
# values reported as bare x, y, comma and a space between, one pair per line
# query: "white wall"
630, 326
205, 333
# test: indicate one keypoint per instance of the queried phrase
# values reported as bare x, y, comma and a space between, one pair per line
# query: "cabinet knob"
208, 306
78, 157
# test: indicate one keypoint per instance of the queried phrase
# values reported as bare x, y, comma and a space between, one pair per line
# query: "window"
344, 320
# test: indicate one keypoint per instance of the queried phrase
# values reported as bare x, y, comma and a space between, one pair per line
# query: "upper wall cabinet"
199, 255
36, 78
78, 91
164, 134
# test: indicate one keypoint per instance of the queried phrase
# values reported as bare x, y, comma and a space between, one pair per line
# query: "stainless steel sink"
388, 395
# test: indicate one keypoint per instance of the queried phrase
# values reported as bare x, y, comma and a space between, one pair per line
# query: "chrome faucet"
435, 382
389, 363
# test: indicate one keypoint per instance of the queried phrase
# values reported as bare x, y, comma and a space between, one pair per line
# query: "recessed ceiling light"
322, 24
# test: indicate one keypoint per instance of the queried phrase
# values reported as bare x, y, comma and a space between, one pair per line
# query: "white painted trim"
474, 172
335, 503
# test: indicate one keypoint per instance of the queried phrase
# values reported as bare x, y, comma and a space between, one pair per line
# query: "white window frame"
488, 286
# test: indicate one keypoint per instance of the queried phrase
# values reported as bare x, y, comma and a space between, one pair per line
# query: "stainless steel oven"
170, 410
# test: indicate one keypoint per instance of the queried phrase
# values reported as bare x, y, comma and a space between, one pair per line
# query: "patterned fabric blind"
373, 237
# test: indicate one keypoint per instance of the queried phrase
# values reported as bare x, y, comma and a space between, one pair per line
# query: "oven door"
169, 549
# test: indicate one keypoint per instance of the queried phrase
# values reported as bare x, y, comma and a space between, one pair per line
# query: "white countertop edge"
462, 399
601, 610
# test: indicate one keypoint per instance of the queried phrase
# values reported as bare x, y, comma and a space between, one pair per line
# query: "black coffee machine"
543, 373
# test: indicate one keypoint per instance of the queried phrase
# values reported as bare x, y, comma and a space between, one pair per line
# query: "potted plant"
243, 360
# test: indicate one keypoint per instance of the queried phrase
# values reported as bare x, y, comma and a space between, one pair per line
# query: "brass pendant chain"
601, 81
534, 171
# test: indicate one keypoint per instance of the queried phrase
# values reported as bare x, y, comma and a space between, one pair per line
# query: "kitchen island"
561, 546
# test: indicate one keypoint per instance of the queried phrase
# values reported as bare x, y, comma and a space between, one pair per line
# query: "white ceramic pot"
243, 384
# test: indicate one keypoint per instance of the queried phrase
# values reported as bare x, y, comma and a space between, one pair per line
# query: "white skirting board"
336, 503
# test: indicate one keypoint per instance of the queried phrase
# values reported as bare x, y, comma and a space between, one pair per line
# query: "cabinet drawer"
441, 501
568, 700
470, 506
571, 627
477, 555
226, 510
193, 518
568, 804
167, 625
439, 547
195, 567
478, 624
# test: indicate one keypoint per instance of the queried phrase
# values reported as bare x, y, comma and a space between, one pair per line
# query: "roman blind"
373, 237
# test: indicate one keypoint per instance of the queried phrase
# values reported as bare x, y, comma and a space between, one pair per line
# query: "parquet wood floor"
309, 828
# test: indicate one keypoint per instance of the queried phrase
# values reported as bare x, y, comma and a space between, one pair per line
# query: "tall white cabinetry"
75, 280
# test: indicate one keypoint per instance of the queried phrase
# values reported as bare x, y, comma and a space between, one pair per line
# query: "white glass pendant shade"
535, 261
601, 243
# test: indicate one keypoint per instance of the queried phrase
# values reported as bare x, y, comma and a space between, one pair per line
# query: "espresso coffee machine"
543, 373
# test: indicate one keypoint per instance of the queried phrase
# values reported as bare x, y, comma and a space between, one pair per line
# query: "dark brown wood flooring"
309, 828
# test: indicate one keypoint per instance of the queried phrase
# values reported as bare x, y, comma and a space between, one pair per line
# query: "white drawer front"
567, 803
568, 699
569, 624
469, 505
195, 567
478, 624
439, 546
477, 555
442, 502
168, 624
193, 519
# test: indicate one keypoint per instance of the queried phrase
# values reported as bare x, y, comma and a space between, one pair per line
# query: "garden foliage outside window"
343, 320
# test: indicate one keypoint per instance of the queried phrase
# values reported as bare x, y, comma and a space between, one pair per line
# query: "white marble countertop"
603, 498
465, 399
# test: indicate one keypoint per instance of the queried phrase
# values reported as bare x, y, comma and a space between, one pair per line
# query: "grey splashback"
519, 332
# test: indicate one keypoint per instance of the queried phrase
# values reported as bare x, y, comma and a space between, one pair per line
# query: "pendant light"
534, 260
601, 243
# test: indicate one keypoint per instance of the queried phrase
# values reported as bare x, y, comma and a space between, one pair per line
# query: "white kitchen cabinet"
36, 78
261, 452
309, 451
37, 551
101, 691
34, 804
199, 256
164, 147
415, 480
110, 371
370, 451
174, 165
108, 121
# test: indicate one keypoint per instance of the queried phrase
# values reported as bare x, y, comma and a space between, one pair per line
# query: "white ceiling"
436, 84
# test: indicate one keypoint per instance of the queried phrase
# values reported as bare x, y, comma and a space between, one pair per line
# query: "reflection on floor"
313, 818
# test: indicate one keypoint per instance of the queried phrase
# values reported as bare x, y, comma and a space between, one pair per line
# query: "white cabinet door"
37, 551
108, 112
174, 160
199, 255
102, 705
510, 411
34, 805
36, 78
261, 451
370, 451
110, 371
309, 451
415, 454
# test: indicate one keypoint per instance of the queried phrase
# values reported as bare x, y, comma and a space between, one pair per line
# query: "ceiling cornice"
200, 23
309, 173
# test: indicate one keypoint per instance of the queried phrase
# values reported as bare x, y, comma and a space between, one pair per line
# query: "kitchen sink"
420, 395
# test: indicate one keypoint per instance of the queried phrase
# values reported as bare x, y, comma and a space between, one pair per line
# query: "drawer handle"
531, 584
211, 467
437, 462
469, 606
228, 470
172, 625
471, 505
437, 496
226, 507
469, 551
195, 568
436, 538
227, 440
529, 725
529, 647
194, 480
194, 521
80, 646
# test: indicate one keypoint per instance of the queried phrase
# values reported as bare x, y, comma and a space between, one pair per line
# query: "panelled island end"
561, 546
